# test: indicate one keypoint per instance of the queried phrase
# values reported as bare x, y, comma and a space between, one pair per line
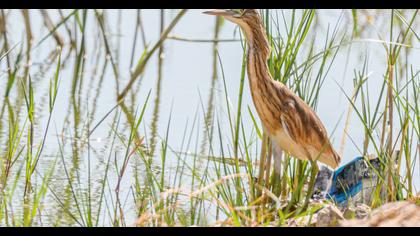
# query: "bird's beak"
219, 12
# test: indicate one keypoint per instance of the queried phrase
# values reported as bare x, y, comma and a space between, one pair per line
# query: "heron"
290, 123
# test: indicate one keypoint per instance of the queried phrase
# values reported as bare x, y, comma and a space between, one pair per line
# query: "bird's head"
247, 19
242, 17
250, 22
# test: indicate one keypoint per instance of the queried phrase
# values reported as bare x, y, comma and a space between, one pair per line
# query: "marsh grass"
137, 176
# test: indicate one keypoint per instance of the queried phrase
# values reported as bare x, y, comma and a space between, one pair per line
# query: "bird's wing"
291, 121
285, 124
304, 127
302, 124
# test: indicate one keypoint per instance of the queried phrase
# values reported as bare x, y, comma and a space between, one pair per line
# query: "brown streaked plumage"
288, 120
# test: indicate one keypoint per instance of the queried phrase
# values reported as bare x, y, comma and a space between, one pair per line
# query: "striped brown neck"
261, 83
257, 65
258, 52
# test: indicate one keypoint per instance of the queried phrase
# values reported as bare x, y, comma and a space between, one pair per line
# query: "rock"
308, 220
404, 213
322, 183
360, 211
330, 215
292, 223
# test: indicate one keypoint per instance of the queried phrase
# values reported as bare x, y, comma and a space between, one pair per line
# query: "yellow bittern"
289, 121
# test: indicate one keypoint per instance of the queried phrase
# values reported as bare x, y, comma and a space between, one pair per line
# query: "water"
185, 88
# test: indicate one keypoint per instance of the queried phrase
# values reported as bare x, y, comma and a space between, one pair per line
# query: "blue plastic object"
347, 181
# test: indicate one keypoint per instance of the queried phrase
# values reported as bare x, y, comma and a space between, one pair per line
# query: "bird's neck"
263, 88
257, 41
257, 56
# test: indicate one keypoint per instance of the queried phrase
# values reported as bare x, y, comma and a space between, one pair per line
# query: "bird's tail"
331, 159
337, 159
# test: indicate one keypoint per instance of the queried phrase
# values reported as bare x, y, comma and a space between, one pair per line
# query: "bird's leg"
284, 179
276, 178
262, 162
268, 165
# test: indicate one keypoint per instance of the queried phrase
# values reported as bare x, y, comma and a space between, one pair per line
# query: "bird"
290, 123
